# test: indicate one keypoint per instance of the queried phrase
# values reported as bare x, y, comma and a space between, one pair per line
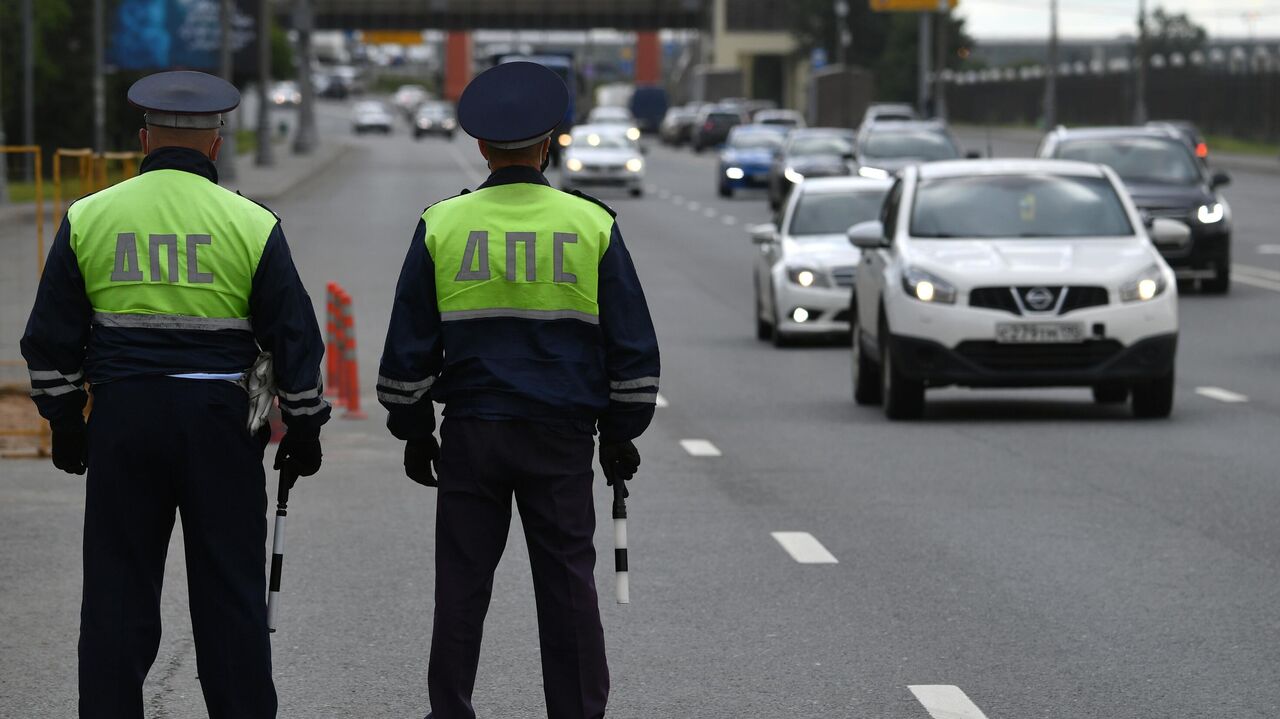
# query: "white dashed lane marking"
710, 212
661, 401
664, 193
804, 548
945, 701
700, 448
1256, 277
1222, 395
694, 206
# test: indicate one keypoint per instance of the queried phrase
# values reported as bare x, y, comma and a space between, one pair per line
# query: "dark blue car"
746, 156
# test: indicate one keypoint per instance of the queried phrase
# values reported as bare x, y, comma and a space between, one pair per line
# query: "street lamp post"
28, 81
1140, 84
99, 78
264, 157
226, 68
4, 165
843, 38
1051, 73
305, 140
925, 44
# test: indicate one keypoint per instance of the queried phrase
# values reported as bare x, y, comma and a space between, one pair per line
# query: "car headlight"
1147, 284
635, 164
565, 140
792, 176
574, 164
873, 173
734, 173
927, 287
424, 124
1209, 214
807, 277
633, 133
448, 124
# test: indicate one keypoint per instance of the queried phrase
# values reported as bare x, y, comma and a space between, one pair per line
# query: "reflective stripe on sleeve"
519, 314
54, 391
405, 386
170, 322
645, 397
50, 375
302, 411
299, 396
634, 383
391, 398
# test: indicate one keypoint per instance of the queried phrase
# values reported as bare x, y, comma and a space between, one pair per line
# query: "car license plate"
1039, 332
759, 176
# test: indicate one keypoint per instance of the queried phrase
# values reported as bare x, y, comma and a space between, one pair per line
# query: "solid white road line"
1222, 395
945, 701
661, 401
1256, 277
700, 448
804, 548
467, 169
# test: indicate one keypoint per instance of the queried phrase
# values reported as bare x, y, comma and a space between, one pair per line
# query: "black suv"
1165, 179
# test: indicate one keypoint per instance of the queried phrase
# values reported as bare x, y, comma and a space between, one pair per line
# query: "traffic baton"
287, 478
620, 540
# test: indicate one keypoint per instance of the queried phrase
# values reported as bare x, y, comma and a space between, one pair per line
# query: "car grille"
843, 275
1174, 213
605, 168
1032, 357
1003, 299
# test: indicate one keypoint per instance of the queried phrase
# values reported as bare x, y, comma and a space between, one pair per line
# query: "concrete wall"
736, 49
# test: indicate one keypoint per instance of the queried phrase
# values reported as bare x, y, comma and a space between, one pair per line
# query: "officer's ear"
215, 147
142, 139
484, 149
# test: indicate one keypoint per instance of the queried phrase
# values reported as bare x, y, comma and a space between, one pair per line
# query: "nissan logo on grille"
1039, 298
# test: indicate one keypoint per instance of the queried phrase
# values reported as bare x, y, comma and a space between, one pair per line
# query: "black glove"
71, 447
620, 461
300, 451
418, 456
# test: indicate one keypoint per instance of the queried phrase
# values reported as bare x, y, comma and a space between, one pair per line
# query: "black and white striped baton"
620, 540
287, 478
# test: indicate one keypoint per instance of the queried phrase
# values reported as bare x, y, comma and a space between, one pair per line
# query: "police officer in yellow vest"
161, 292
518, 308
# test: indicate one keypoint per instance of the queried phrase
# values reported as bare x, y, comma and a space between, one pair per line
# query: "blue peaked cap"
513, 105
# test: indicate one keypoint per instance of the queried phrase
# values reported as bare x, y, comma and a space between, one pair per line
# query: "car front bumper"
827, 307
608, 178
1208, 251
989, 364
752, 176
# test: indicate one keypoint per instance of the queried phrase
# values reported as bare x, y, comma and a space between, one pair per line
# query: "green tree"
884, 42
1174, 32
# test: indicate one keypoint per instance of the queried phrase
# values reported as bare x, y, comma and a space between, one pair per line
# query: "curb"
311, 173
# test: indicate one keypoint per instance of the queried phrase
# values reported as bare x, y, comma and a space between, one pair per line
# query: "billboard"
166, 34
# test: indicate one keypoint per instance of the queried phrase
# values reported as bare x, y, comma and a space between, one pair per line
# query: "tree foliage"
1168, 33
884, 42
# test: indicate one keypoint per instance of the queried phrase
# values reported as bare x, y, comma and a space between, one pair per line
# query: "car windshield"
831, 213
1138, 159
1005, 206
724, 118
921, 144
435, 111
610, 114
604, 140
755, 141
369, 107
821, 145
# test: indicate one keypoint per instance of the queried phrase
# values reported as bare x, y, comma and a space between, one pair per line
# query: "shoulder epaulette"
596, 200
259, 204
463, 191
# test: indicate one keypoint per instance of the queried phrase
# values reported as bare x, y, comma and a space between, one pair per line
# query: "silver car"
603, 155
804, 270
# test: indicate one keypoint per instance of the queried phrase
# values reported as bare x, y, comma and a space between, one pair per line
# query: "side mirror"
1166, 232
867, 235
1219, 179
764, 234
973, 155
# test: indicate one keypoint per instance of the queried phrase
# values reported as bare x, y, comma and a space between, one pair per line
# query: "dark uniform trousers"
157, 445
548, 469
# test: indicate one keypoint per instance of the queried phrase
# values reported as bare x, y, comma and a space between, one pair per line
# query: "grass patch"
1221, 143
246, 141
72, 189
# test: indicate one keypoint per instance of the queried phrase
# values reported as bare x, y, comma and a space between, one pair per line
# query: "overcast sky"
1108, 18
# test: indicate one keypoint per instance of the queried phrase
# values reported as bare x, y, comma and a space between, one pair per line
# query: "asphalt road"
1048, 557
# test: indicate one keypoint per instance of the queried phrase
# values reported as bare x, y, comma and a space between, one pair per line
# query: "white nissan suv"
1013, 273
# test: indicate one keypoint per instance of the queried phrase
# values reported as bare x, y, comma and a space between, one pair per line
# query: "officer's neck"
495, 165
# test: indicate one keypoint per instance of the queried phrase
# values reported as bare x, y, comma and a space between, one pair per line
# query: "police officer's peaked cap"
184, 99
513, 105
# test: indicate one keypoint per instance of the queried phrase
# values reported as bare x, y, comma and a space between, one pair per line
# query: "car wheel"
637, 191
764, 330
725, 190
1153, 399
903, 397
780, 339
1110, 393
1221, 282
866, 374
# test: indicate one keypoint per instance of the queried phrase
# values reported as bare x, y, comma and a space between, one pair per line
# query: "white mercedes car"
603, 155
1013, 273
805, 267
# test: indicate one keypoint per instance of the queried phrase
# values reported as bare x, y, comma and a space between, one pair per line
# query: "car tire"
637, 192
1153, 398
866, 373
725, 190
1221, 282
764, 331
780, 339
1110, 393
903, 397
